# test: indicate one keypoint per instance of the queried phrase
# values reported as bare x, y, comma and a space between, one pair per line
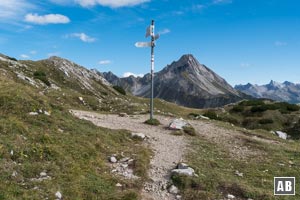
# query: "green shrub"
188, 129
238, 108
255, 109
266, 121
41, 76
153, 122
256, 102
211, 115
119, 89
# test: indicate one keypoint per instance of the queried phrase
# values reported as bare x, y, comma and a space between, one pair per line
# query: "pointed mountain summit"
185, 82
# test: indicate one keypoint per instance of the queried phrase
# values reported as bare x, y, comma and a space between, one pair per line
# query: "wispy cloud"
222, 1
164, 31
24, 56
104, 62
127, 74
46, 19
280, 43
82, 36
33, 52
245, 64
110, 3
12, 9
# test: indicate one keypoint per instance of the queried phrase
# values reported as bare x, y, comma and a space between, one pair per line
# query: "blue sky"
241, 40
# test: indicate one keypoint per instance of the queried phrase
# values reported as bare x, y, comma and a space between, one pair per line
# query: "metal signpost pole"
152, 68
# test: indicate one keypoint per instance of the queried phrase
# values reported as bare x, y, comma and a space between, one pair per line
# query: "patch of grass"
211, 115
190, 130
119, 89
153, 122
216, 170
266, 121
42, 76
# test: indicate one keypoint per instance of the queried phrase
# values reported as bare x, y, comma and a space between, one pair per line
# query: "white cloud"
164, 31
47, 19
11, 9
24, 56
245, 65
280, 43
82, 36
127, 74
221, 1
104, 62
33, 52
110, 3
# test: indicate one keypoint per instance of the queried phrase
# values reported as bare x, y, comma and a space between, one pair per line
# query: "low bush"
238, 108
41, 76
266, 121
256, 102
119, 89
153, 122
189, 130
211, 115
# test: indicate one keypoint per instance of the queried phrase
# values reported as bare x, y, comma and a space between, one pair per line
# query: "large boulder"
177, 124
281, 134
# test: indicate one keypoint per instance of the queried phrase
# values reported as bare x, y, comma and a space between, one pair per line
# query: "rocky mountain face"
286, 91
185, 82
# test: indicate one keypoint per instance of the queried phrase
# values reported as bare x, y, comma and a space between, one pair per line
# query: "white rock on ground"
230, 196
139, 135
182, 166
173, 189
188, 172
281, 134
177, 124
58, 195
113, 159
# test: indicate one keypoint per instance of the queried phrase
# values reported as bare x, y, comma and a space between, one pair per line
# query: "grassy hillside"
71, 151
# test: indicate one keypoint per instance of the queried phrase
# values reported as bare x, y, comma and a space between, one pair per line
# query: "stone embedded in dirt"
239, 173
58, 195
139, 135
43, 174
178, 197
173, 189
230, 196
182, 166
33, 113
118, 185
126, 159
188, 172
123, 115
281, 134
177, 124
113, 159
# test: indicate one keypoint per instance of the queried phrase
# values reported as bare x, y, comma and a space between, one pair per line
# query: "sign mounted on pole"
150, 32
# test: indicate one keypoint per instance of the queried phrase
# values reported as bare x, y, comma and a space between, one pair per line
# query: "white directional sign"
143, 44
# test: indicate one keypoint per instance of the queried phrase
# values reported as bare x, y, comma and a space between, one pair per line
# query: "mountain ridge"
286, 91
185, 82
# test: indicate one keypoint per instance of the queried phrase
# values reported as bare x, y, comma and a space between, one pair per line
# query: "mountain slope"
185, 82
286, 91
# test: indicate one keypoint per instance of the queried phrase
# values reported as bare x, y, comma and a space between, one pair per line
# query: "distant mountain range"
185, 82
286, 91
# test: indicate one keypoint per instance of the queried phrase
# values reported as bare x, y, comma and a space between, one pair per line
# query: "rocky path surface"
168, 149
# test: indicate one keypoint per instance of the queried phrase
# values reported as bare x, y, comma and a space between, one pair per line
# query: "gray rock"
43, 174
173, 189
58, 195
239, 173
113, 159
177, 124
139, 135
188, 172
33, 113
182, 166
123, 115
118, 185
281, 134
230, 196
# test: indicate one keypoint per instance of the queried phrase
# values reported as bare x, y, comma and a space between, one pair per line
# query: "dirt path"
168, 149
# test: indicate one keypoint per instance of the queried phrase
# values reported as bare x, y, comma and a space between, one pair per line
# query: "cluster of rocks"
43, 176
122, 167
40, 111
184, 169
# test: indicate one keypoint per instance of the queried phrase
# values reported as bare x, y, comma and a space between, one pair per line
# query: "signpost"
150, 32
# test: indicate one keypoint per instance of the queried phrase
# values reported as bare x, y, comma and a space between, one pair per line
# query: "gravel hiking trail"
170, 149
